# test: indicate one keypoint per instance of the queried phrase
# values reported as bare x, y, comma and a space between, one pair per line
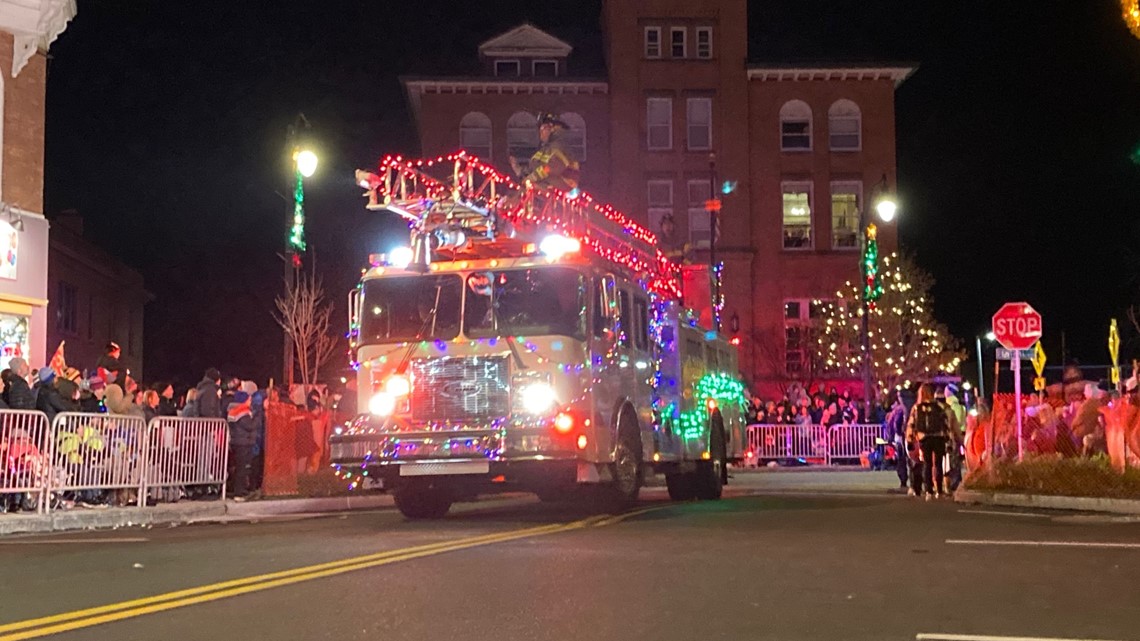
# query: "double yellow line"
67, 621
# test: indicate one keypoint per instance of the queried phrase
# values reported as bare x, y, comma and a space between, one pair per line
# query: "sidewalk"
1049, 502
183, 512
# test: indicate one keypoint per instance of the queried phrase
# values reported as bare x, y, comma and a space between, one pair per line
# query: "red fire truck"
530, 340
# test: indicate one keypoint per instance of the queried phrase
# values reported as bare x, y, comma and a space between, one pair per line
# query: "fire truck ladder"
460, 207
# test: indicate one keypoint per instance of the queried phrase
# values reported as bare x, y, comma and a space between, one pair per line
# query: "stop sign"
1017, 326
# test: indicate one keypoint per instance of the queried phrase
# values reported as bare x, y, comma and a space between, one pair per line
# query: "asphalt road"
803, 559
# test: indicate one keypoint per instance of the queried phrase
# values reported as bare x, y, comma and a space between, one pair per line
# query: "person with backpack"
929, 426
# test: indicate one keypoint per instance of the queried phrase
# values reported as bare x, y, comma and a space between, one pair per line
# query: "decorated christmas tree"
908, 345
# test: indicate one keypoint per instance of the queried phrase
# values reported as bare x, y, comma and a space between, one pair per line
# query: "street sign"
1017, 326
1004, 354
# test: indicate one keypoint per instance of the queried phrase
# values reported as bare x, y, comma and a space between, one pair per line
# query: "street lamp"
886, 207
989, 336
304, 165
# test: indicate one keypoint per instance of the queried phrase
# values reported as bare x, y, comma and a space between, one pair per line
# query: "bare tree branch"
306, 318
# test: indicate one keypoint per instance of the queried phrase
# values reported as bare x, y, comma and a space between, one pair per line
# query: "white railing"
25, 453
812, 443
80, 451
183, 452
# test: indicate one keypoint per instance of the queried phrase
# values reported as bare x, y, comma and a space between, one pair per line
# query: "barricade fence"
820, 444
81, 452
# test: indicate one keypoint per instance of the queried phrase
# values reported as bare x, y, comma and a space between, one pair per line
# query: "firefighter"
552, 166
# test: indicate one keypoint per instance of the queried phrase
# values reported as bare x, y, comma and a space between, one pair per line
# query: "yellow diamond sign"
1038, 358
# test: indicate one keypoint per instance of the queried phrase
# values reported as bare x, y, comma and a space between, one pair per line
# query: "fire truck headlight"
398, 385
400, 257
382, 404
537, 398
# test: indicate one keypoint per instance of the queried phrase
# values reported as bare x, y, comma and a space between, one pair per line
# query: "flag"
58, 363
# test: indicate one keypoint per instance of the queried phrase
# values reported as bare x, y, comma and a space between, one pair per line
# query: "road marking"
936, 637
49, 541
67, 621
621, 517
1000, 513
1053, 544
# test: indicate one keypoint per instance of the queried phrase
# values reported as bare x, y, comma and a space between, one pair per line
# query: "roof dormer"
525, 51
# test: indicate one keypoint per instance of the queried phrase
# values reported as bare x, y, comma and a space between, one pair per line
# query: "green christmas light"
872, 283
297, 233
725, 389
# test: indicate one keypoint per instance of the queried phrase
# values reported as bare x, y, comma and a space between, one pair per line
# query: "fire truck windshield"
400, 309
531, 302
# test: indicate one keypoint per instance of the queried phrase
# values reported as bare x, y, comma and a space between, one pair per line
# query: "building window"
67, 308
797, 215
575, 136
475, 134
699, 123
795, 126
699, 193
800, 335
704, 42
659, 123
846, 199
844, 126
653, 42
659, 201
522, 135
677, 48
510, 68
544, 68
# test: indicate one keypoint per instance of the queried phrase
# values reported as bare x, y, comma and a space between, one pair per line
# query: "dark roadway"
770, 566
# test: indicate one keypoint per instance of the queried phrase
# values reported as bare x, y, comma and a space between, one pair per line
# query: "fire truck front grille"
460, 388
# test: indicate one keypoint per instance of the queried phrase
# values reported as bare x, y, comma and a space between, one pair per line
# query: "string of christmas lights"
1131, 11
873, 285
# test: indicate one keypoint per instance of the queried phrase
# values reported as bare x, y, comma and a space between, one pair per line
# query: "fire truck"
530, 340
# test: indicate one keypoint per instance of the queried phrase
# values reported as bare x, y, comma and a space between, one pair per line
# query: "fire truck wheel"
627, 460
422, 501
710, 474
681, 486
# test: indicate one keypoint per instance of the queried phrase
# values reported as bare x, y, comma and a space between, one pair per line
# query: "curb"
1047, 502
180, 513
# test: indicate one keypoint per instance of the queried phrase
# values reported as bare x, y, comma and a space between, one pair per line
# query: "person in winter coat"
209, 395
166, 406
62, 395
190, 407
108, 367
20, 396
552, 166
93, 403
239, 416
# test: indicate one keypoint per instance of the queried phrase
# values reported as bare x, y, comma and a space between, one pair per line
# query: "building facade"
27, 29
680, 113
95, 299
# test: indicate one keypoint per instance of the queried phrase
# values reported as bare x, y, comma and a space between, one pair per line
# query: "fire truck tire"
710, 475
681, 485
422, 502
627, 460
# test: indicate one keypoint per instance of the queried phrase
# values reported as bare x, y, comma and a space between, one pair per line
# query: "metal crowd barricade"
851, 442
25, 454
97, 451
812, 443
182, 452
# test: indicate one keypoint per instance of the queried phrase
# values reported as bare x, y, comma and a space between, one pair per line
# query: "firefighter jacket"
553, 166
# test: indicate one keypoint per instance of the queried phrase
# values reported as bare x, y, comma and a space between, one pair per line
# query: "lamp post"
712, 205
303, 162
981, 377
886, 207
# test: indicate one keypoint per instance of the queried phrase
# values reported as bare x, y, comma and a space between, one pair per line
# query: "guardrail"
106, 452
812, 443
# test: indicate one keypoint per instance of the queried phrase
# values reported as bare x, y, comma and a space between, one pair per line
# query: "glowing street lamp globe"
306, 162
886, 208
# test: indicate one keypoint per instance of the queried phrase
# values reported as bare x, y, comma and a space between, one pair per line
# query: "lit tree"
907, 344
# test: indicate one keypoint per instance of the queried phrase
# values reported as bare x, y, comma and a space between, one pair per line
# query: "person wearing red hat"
552, 166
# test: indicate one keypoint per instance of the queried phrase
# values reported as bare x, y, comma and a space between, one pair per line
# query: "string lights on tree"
907, 344
1131, 12
873, 284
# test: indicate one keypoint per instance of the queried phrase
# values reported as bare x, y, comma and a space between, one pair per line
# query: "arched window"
575, 137
795, 126
522, 135
475, 134
844, 126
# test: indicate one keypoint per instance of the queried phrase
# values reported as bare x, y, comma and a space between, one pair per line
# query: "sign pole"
1015, 365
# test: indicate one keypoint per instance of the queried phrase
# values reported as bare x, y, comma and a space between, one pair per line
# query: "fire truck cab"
529, 341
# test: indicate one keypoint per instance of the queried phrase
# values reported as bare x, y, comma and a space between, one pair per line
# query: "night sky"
166, 129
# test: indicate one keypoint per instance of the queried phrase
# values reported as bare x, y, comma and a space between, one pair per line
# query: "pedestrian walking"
929, 426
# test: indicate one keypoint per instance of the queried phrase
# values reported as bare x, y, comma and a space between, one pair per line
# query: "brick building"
808, 146
95, 298
27, 29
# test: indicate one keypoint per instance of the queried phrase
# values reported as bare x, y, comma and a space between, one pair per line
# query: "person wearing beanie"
20, 396
93, 403
209, 395
239, 417
109, 367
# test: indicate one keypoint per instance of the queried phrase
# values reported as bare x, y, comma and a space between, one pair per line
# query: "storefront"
23, 286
